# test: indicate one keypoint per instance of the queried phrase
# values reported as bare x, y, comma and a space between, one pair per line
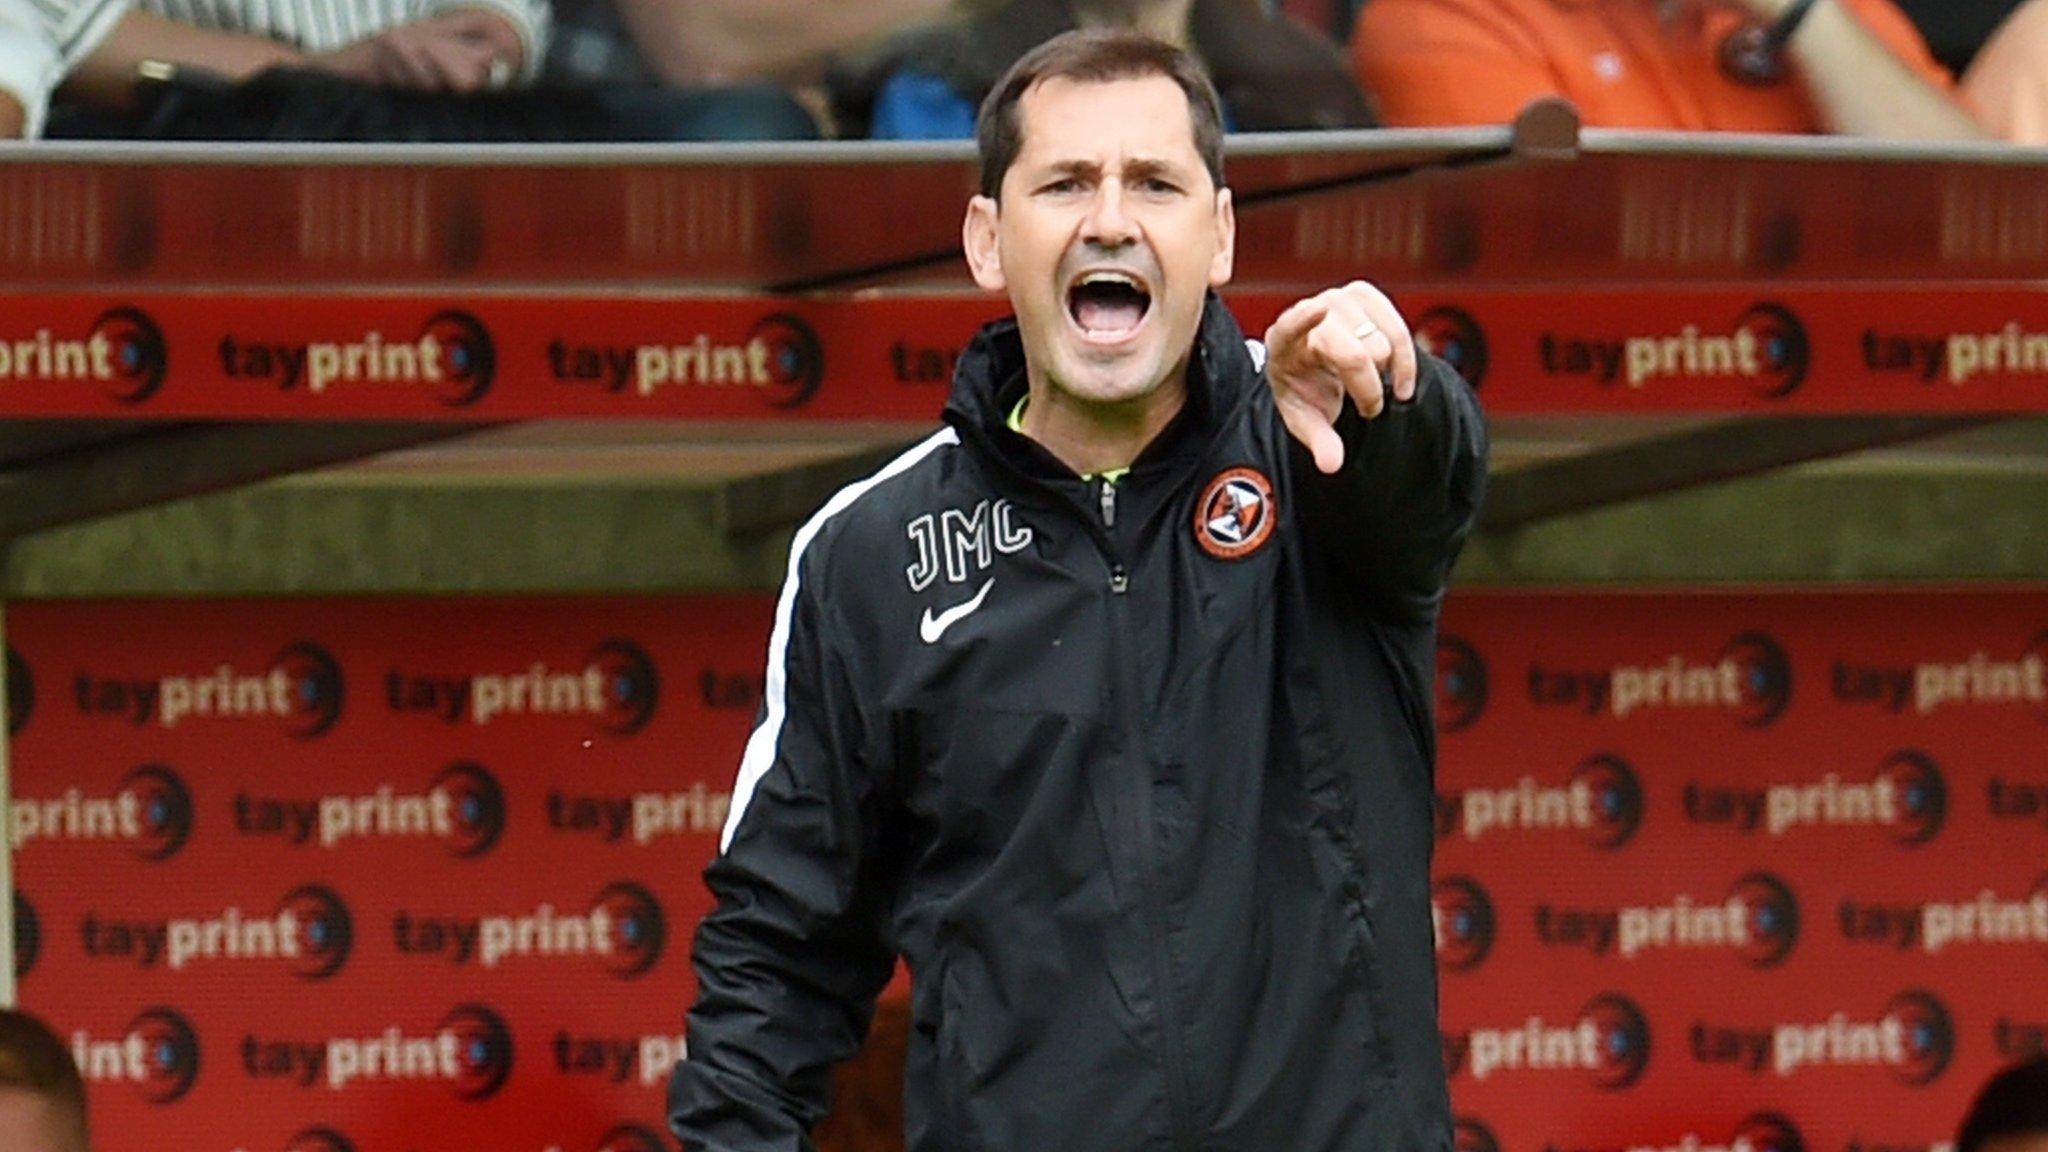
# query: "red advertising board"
334, 875
754, 358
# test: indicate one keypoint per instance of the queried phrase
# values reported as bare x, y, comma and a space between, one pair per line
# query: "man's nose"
1108, 223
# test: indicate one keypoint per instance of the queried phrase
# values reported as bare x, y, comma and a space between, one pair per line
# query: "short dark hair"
1095, 56
2013, 1103
33, 1060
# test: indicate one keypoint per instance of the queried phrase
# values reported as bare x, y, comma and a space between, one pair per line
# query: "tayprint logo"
21, 692
151, 811
123, 352
311, 932
1609, 1042
1452, 334
28, 936
463, 807
1463, 916
1460, 684
452, 359
930, 628
1470, 1134
302, 687
1929, 686
327, 932
1767, 1132
961, 545
1235, 514
1914, 1038
2018, 1040
618, 687
1758, 921
643, 1060
2017, 799
1765, 350
1603, 800
1936, 926
319, 1139
781, 357
485, 1046
1956, 358
1751, 677
1906, 795
1930, 1034
469, 1050
159, 1054
624, 929
1922, 793
642, 816
1760, 1132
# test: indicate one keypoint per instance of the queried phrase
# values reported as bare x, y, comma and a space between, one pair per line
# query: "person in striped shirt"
98, 49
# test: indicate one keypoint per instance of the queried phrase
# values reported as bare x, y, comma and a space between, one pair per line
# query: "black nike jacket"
1137, 778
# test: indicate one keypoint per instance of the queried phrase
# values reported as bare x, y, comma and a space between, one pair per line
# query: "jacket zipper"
1140, 783
1105, 499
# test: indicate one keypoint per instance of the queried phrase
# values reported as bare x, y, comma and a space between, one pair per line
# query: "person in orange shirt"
1849, 66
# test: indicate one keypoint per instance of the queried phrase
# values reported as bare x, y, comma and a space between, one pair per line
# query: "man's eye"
1159, 186
1063, 186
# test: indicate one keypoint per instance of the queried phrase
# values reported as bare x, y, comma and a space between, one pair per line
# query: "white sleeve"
42, 40
30, 65
532, 19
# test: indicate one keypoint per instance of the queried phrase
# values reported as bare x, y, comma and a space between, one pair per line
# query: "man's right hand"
462, 51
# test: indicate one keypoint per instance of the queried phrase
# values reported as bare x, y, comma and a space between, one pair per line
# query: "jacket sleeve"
1394, 517
797, 945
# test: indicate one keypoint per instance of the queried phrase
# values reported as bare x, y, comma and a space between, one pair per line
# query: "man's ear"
978, 240
1225, 261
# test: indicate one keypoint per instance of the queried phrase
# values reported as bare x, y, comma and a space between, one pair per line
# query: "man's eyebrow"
1143, 167
1073, 167
1137, 168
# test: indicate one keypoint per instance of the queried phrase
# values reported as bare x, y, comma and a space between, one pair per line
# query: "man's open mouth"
1107, 304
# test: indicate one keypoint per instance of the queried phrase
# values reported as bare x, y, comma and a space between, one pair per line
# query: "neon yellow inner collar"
1109, 475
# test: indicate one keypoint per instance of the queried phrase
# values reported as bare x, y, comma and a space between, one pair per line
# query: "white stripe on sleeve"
761, 746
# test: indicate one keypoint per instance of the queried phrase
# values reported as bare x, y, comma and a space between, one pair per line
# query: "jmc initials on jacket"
1137, 777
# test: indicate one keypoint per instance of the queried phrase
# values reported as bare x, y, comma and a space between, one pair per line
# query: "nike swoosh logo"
931, 627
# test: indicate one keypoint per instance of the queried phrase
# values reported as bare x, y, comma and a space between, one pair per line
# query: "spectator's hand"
1344, 342
13, 117
463, 51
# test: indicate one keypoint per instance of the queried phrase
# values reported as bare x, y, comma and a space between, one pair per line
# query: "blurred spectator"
1272, 73
2011, 1112
690, 42
370, 70
427, 45
1850, 66
2008, 82
42, 1097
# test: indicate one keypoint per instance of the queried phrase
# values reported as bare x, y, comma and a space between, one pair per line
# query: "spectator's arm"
1861, 86
2007, 83
13, 117
106, 77
724, 41
1428, 63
